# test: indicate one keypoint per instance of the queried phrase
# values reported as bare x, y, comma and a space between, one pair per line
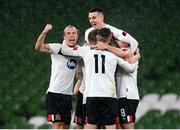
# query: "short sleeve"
55, 47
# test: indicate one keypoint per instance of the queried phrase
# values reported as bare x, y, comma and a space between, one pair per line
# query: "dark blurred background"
25, 73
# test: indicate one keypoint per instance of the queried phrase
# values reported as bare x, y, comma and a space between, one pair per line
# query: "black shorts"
58, 107
101, 110
79, 114
127, 110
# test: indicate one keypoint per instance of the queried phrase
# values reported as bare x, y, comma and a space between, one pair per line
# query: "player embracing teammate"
126, 83
107, 95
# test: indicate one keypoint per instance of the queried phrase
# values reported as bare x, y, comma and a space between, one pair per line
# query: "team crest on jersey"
71, 64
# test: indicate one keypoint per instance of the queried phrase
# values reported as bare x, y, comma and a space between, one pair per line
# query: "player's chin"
94, 25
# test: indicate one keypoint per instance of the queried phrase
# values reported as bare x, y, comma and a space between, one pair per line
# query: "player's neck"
102, 25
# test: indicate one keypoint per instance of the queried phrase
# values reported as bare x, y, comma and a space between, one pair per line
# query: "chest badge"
71, 64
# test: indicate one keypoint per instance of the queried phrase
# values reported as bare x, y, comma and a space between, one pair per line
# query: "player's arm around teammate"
96, 19
121, 50
117, 51
124, 78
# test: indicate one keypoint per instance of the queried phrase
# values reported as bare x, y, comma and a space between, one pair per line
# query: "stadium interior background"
24, 73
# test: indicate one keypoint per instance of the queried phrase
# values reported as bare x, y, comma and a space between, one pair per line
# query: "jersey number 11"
96, 63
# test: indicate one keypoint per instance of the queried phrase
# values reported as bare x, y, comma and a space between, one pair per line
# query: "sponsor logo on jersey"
71, 64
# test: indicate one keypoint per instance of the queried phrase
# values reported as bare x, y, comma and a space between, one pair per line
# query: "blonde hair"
70, 26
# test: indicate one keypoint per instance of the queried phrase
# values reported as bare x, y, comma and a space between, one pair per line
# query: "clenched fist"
47, 28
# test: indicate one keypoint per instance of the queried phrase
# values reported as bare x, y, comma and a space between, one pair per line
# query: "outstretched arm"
117, 51
40, 45
129, 68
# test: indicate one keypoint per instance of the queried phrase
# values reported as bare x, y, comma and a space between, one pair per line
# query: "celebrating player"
58, 98
101, 104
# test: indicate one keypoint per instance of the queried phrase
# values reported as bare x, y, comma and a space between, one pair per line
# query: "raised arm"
40, 45
126, 38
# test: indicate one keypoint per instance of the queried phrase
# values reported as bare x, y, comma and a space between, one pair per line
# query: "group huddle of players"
107, 93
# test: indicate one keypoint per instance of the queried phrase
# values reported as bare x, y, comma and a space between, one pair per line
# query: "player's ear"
103, 17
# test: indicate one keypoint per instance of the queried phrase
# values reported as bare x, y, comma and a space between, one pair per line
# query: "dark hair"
96, 10
92, 35
103, 34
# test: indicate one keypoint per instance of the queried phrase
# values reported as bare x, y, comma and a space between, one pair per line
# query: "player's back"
100, 68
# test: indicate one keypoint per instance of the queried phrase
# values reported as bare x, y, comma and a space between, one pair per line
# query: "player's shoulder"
55, 45
89, 29
108, 53
113, 28
83, 48
87, 47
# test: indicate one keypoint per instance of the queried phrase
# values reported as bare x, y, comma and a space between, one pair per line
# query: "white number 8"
123, 114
